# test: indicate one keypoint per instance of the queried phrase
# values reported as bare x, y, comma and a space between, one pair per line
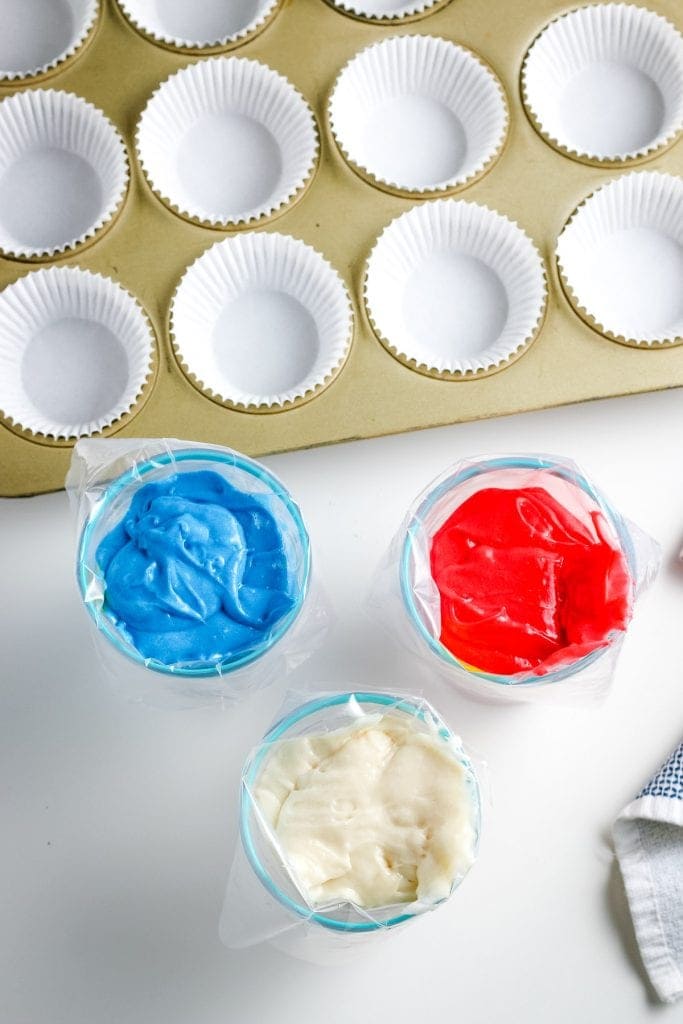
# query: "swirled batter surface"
196, 571
525, 584
374, 814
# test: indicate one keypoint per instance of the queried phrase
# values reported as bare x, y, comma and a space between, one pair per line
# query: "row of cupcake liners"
104, 141
203, 114
233, 28
621, 40
212, 27
558, 286
262, 322
204, 29
196, 116
617, 39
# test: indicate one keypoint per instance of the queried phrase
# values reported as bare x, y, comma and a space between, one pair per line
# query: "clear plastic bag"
263, 901
103, 479
406, 600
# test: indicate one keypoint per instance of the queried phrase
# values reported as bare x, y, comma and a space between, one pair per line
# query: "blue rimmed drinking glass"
113, 503
475, 474
323, 715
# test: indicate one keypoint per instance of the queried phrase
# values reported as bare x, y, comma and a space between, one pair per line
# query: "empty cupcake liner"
76, 350
418, 115
261, 321
63, 173
227, 141
604, 83
388, 10
620, 259
209, 25
454, 289
37, 37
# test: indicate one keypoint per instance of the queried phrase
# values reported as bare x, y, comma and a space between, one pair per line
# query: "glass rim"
571, 475
276, 733
106, 626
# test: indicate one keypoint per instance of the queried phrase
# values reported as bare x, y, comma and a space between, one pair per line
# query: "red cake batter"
525, 584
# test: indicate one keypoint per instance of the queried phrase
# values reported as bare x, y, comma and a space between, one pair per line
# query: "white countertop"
118, 822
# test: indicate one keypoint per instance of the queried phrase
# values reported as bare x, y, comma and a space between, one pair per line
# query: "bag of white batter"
359, 812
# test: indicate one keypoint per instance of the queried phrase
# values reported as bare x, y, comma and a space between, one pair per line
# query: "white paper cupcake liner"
605, 83
418, 114
37, 37
454, 289
620, 259
261, 321
387, 10
227, 141
63, 173
76, 350
209, 24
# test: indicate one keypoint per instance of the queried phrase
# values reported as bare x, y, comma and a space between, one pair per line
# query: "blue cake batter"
196, 571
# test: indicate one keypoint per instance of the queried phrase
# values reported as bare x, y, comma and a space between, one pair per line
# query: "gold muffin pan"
147, 248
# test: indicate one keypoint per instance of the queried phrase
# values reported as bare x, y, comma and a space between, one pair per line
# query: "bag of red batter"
516, 579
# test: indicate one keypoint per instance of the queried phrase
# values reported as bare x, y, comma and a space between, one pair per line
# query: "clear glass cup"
418, 590
322, 715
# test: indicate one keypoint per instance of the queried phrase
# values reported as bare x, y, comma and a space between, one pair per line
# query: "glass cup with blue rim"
216, 676
344, 921
436, 504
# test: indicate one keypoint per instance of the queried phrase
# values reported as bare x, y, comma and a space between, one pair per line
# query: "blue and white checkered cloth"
648, 838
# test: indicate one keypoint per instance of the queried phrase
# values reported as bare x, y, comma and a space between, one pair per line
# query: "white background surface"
118, 823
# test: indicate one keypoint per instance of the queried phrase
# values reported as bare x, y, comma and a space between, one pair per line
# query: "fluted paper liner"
63, 173
76, 350
26, 53
206, 24
620, 259
261, 321
454, 289
605, 83
388, 10
418, 114
227, 141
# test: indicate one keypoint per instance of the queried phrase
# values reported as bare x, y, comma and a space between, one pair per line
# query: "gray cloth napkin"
648, 839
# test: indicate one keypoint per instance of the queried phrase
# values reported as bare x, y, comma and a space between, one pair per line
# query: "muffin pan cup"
227, 142
76, 353
66, 27
604, 83
620, 259
63, 174
261, 322
385, 12
147, 246
471, 285
418, 116
199, 28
